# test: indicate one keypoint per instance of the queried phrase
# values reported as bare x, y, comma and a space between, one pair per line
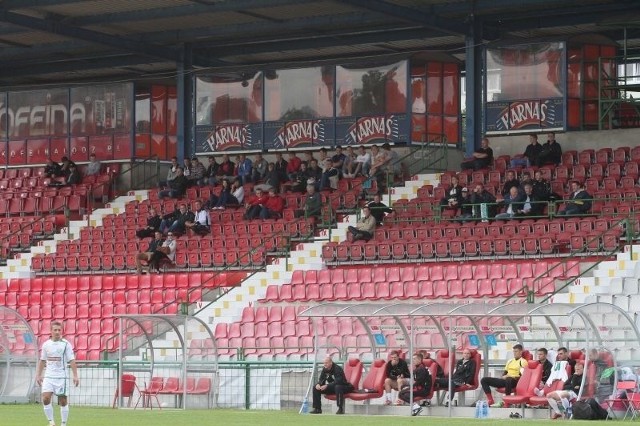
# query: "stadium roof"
66, 41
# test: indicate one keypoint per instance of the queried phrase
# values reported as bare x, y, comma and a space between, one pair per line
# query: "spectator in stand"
512, 203
213, 199
234, 196
259, 168
466, 206
244, 169
322, 155
363, 162
308, 156
330, 176
531, 205
197, 176
52, 169
180, 220
154, 245
273, 207
541, 354
186, 168
314, 174
366, 226
525, 178
281, 167
453, 198
212, 171
73, 177
271, 179
578, 203
177, 186
397, 375
65, 167
349, 163
462, 375
226, 169
299, 182
530, 156
551, 152
312, 206
254, 203
378, 209
94, 166
153, 224
483, 203
509, 379
166, 251
569, 392
171, 173
482, 157
293, 165
200, 225
338, 158
509, 182
541, 187
379, 167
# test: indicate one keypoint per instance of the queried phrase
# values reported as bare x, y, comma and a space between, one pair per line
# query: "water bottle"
478, 409
484, 212
305, 406
569, 412
485, 410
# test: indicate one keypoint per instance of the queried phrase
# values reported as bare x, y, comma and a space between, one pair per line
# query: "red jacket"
293, 165
255, 200
275, 204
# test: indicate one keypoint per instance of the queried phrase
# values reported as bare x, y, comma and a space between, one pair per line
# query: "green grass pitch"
32, 415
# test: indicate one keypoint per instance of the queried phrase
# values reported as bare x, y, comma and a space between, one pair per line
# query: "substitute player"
55, 355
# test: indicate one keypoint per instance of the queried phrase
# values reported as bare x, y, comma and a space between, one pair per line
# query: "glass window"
372, 91
229, 99
299, 94
143, 110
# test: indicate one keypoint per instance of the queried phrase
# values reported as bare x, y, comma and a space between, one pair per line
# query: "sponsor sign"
373, 129
228, 137
298, 134
525, 116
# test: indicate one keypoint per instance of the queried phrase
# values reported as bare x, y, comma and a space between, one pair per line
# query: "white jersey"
57, 354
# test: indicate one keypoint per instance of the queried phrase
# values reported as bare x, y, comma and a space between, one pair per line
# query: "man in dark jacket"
551, 152
421, 383
541, 354
153, 224
481, 159
177, 186
332, 381
578, 203
462, 374
378, 209
484, 203
530, 205
397, 375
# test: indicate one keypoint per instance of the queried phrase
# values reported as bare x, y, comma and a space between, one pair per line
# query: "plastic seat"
373, 383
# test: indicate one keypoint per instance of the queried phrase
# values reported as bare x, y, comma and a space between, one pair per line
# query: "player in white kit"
55, 355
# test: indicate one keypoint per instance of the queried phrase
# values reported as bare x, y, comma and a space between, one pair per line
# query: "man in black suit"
531, 205
332, 381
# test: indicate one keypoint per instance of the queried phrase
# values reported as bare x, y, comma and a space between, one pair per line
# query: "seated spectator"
483, 203
171, 173
153, 224
226, 169
463, 374
198, 173
233, 196
244, 171
453, 196
52, 169
177, 186
312, 206
186, 168
254, 203
421, 384
293, 165
273, 207
551, 151
201, 224
481, 159
510, 181
363, 162
530, 205
530, 156
509, 379
94, 166
299, 181
541, 187
314, 174
271, 179
366, 226
259, 168
379, 166
378, 209
466, 207
578, 203
65, 167
569, 392
330, 176
396, 373
349, 164
154, 245
167, 251
308, 156
281, 167
337, 159
525, 178
176, 221
72, 178
512, 203
212, 171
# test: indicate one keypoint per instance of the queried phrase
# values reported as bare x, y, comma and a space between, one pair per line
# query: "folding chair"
127, 388
628, 387
151, 391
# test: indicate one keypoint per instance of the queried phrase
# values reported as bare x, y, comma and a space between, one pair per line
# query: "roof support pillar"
184, 85
473, 85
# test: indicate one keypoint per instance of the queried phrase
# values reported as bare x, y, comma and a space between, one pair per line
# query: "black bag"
589, 409
598, 413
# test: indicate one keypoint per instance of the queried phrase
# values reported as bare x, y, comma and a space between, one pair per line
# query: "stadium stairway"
20, 267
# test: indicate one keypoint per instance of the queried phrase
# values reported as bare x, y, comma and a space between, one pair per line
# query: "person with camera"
332, 381
397, 375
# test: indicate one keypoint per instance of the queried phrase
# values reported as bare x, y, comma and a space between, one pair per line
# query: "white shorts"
55, 386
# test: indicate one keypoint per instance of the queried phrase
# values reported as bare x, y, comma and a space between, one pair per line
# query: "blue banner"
525, 116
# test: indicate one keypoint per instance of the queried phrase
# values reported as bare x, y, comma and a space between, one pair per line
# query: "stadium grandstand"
214, 196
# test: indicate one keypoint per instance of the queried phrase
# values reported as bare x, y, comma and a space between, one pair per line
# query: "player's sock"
554, 405
565, 403
64, 412
48, 412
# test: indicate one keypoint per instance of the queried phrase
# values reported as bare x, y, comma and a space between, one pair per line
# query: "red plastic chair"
373, 383
126, 390
151, 391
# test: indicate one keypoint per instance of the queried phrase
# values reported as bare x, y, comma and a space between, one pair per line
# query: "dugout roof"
73, 41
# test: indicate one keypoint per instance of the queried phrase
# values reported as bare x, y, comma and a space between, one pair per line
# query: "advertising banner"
525, 116
100, 110
372, 130
36, 113
298, 134
228, 137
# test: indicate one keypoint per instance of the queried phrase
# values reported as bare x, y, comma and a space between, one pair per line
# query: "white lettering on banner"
224, 137
371, 128
42, 120
521, 114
